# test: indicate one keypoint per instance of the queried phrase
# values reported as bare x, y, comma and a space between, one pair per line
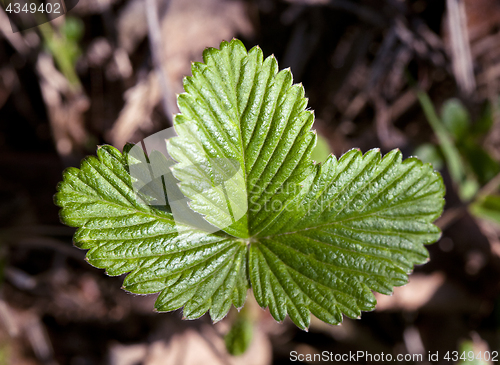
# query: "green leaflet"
359, 225
239, 108
308, 238
124, 234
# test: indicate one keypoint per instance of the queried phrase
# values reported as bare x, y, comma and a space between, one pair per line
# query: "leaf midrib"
360, 217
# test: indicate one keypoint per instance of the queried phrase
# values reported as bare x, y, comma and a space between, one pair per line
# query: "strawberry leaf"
308, 238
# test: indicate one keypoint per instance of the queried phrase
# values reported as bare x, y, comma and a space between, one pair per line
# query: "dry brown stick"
62, 247
364, 13
449, 217
490, 187
15, 39
39, 339
383, 59
431, 38
403, 103
156, 53
396, 79
434, 43
409, 38
65, 105
485, 45
389, 136
355, 106
460, 46
7, 319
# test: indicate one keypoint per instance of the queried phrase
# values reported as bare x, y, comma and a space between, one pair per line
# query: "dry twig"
460, 47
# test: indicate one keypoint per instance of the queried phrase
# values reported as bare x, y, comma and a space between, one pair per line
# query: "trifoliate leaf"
309, 238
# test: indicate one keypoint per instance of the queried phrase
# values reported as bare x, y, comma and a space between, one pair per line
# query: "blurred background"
419, 75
